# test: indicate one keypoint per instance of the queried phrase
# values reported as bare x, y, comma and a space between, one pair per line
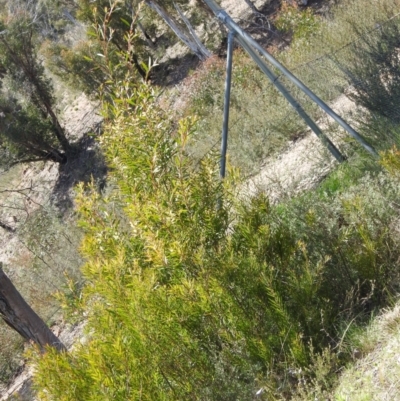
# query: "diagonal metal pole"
223, 16
293, 102
228, 81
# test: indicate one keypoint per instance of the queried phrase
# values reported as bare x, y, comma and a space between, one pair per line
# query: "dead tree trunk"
20, 316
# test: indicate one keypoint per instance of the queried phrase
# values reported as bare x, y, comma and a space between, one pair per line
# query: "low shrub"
193, 294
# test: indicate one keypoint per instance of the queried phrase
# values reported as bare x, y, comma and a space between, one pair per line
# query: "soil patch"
304, 163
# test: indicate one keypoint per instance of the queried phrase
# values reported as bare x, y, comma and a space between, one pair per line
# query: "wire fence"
358, 79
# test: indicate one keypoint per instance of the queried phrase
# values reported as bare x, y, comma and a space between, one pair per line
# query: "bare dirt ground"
26, 188
303, 164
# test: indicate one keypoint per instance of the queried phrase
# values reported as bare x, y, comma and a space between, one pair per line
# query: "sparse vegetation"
376, 369
47, 265
29, 126
301, 24
262, 122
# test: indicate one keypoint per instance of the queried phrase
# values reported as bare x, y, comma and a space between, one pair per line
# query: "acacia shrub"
193, 294
72, 58
166, 284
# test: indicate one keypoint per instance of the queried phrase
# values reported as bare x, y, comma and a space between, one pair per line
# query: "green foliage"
184, 303
11, 350
24, 132
19, 59
188, 313
75, 65
123, 15
109, 26
316, 381
192, 293
115, 22
391, 161
300, 23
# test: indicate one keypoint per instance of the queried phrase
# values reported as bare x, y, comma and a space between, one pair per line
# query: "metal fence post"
292, 101
228, 81
223, 16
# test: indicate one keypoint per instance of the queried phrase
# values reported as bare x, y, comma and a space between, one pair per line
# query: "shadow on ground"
173, 71
86, 164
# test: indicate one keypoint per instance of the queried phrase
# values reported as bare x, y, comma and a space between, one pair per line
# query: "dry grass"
376, 375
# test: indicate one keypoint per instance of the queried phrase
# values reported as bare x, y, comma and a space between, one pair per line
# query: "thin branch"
20, 191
